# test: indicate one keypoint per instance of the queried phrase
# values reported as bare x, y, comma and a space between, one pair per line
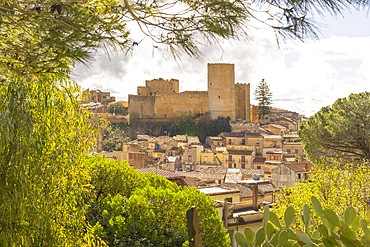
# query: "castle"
160, 99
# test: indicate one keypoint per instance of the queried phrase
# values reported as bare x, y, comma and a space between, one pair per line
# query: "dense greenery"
117, 108
337, 229
339, 131
44, 134
114, 136
263, 95
117, 134
335, 185
128, 208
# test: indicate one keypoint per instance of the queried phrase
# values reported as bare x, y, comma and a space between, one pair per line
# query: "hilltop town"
244, 167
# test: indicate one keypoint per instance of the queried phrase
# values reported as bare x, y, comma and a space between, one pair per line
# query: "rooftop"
160, 172
300, 167
232, 134
213, 191
240, 152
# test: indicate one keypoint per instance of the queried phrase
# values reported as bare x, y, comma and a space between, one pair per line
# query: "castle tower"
242, 101
221, 90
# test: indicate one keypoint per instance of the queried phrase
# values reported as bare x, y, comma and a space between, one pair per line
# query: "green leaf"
266, 215
317, 206
365, 229
332, 217
292, 234
316, 234
283, 238
349, 215
267, 244
306, 217
348, 233
330, 241
269, 230
275, 238
274, 219
260, 237
296, 244
305, 238
289, 216
241, 239
249, 234
356, 222
347, 242
323, 230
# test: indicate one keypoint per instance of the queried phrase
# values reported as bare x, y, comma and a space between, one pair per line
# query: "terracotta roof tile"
163, 173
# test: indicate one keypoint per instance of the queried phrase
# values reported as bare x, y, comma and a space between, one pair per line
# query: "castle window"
219, 97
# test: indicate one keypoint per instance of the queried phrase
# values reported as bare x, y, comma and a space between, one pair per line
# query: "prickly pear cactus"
346, 229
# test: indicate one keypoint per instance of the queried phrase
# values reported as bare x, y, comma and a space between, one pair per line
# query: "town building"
287, 175
97, 96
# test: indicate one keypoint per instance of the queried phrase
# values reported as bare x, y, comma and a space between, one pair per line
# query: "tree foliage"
44, 133
128, 208
43, 136
114, 136
61, 31
117, 109
339, 131
263, 95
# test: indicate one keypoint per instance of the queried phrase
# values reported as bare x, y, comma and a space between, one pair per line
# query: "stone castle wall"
176, 105
221, 90
141, 106
159, 87
242, 101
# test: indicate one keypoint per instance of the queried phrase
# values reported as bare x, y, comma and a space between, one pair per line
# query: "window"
230, 159
234, 165
299, 176
230, 166
243, 158
259, 167
243, 166
243, 141
229, 141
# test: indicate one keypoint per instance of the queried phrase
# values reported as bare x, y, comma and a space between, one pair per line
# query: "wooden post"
193, 228
255, 196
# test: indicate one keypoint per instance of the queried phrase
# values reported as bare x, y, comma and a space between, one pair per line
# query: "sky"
303, 76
